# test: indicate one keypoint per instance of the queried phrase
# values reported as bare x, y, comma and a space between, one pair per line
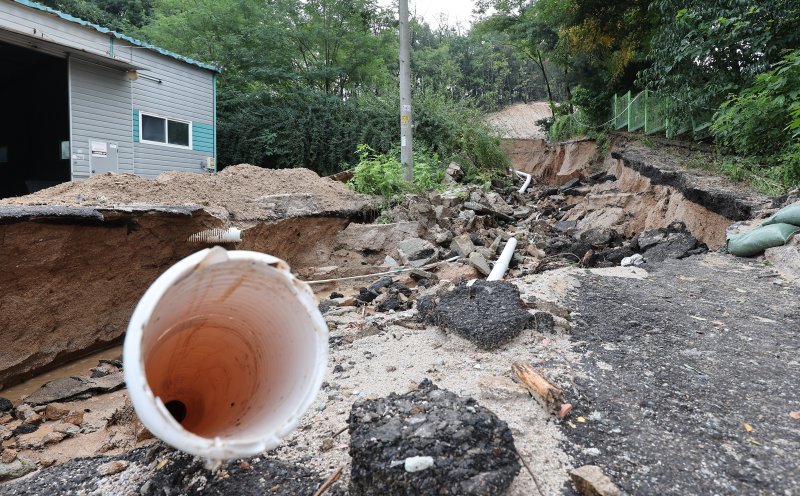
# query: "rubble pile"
418, 279
62, 412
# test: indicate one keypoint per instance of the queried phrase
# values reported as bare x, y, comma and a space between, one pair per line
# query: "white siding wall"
184, 93
21, 19
103, 100
101, 109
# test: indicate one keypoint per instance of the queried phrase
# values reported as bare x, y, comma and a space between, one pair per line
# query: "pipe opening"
234, 352
177, 409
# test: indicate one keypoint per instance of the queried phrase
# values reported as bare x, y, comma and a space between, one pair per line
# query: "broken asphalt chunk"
465, 449
488, 313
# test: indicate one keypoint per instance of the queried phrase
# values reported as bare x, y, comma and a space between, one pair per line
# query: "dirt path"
519, 120
687, 379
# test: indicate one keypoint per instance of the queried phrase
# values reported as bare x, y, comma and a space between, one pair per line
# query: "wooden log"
549, 395
329, 482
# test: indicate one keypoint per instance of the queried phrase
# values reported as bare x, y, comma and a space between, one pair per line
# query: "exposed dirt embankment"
651, 188
72, 276
80, 255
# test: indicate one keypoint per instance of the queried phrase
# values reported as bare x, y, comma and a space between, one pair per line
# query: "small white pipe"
224, 353
527, 178
501, 266
230, 235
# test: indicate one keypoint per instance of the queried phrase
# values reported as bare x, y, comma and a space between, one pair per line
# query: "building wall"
18, 18
100, 110
184, 93
105, 103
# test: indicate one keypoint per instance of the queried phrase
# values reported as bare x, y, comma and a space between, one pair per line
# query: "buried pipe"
224, 353
501, 266
527, 177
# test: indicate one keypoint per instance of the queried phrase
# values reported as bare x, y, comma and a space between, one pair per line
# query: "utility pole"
406, 121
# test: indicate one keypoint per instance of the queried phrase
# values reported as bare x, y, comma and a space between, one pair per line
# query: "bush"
382, 173
763, 121
307, 128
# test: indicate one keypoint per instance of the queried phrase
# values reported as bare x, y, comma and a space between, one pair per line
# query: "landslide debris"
429, 441
160, 471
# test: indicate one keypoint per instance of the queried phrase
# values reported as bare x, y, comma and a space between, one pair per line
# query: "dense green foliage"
726, 61
705, 50
119, 15
764, 120
382, 173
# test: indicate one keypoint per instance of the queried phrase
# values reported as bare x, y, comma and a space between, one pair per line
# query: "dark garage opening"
34, 121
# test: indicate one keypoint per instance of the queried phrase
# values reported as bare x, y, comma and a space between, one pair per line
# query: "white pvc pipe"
501, 266
527, 178
224, 353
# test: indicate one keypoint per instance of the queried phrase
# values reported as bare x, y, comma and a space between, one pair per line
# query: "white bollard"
224, 353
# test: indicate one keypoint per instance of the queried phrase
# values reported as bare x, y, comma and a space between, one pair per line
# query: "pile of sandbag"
775, 231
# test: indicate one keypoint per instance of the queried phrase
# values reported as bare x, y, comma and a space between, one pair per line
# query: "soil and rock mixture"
239, 194
613, 359
103, 241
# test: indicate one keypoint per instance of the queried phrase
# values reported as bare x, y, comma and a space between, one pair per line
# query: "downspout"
214, 130
69, 111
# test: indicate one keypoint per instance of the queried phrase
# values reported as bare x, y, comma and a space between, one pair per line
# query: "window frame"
166, 131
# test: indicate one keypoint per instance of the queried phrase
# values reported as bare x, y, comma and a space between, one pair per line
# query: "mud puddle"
79, 367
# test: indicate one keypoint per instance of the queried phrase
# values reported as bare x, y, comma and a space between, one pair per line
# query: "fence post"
646, 103
667, 123
614, 111
629, 110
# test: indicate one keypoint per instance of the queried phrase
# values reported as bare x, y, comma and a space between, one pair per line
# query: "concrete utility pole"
406, 121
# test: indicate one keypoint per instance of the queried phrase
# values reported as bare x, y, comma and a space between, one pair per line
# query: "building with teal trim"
80, 100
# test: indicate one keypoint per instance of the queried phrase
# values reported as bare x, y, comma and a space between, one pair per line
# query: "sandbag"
790, 214
756, 241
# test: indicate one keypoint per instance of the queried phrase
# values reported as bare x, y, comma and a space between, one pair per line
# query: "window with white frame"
155, 129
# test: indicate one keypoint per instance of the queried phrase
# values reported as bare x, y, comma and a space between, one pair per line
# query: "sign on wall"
99, 149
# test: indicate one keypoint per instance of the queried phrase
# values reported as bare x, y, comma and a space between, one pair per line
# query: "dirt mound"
519, 120
238, 193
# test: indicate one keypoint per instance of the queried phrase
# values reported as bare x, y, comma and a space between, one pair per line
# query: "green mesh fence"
648, 112
637, 112
701, 124
656, 118
621, 110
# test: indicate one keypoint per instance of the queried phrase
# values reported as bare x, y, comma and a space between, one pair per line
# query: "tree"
598, 45
119, 15
704, 51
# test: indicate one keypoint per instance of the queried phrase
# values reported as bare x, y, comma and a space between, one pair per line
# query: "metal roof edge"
119, 36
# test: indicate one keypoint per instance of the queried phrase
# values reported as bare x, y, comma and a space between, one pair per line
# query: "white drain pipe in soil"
501, 266
224, 353
527, 177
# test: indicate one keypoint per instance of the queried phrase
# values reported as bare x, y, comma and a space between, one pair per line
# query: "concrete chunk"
462, 245
590, 480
